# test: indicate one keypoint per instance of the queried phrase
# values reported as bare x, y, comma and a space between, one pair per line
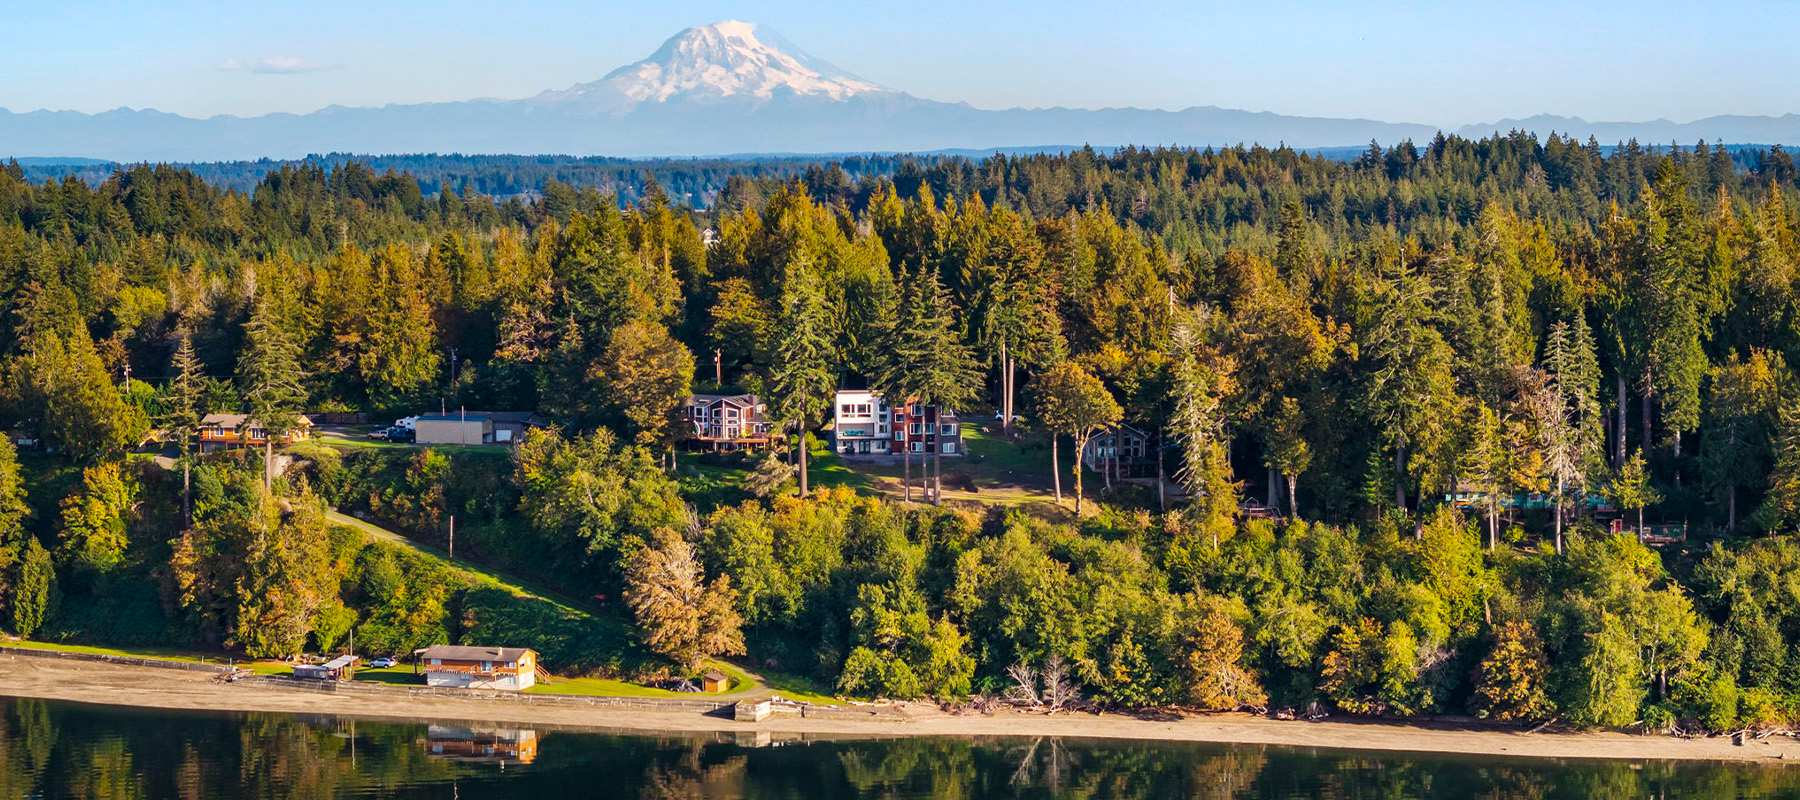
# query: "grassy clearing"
995, 472
823, 469
800, 687
400, 675
511, 583
608, 687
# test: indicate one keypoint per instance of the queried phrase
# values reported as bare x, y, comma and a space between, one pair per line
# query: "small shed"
715, 681
342, 668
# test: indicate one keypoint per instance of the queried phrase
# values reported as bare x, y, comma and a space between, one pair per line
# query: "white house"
864, 424
464, 667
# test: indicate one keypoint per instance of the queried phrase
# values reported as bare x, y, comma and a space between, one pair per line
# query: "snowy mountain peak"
715, 62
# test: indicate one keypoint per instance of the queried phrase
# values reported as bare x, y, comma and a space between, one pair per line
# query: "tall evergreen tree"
803, 380
181, 422
943, 371
271, 378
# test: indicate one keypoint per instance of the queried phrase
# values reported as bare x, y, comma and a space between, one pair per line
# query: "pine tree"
58, 383
889, 370
399, 361
1010, 310
1200, 382
947, 378
271, 378
803, 381
1485, 469
1410, 394
182, 421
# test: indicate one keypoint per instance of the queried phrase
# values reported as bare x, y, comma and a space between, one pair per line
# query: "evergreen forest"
1505, 427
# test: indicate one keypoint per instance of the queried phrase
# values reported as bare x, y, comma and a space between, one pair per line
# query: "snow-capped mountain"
724, 62
732, 88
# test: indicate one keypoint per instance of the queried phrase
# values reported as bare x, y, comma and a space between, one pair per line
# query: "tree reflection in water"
50, 749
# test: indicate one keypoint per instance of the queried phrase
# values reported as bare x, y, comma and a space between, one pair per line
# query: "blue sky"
1440, 62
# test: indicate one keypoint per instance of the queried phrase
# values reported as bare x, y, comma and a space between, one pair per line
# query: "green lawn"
825, 468
402, 674
607, 687
799, 687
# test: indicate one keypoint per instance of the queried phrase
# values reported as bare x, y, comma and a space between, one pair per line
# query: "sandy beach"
91, 682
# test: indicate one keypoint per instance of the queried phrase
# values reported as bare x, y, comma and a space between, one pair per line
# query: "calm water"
50, 749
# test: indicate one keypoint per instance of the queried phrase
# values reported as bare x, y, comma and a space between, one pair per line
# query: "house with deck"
1123, 451
466, 667
728, 422
227, 431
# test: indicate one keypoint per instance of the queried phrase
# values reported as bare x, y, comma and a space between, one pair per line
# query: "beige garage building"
473, 427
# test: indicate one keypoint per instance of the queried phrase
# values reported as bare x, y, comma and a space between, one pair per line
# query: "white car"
383, 663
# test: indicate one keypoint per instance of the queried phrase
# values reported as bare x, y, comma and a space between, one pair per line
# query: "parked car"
383, 662
394, 434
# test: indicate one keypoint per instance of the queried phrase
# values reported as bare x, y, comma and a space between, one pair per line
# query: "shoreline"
98, 683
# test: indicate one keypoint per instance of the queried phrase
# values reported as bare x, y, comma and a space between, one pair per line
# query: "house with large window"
464, 667
865, 424
225, 431
727, 422
1124, 451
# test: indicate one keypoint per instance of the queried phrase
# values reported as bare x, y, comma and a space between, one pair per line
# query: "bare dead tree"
1025, 685
1060, 688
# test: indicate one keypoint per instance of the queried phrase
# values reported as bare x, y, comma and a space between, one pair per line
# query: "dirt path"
135, 686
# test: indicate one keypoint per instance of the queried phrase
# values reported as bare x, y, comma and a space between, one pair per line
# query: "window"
846, 408
916, 409
899, 434
918, 447
947, 429
731, 413
949, 447
437, 662
881, 429
916, 429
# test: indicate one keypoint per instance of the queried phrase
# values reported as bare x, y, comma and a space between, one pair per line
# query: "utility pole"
718, 367
452, 536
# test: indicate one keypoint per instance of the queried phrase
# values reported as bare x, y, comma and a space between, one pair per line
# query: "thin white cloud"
273, 65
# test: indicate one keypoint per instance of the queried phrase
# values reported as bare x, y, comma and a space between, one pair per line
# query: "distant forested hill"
693, 180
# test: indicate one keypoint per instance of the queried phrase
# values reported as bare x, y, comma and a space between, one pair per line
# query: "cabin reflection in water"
484, 746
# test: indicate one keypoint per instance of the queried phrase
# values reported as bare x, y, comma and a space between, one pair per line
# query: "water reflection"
60, 750
482, 745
